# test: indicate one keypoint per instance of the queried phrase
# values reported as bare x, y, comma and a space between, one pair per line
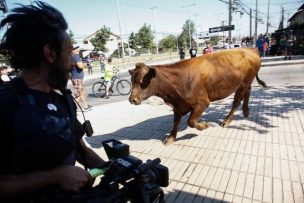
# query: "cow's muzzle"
135, 101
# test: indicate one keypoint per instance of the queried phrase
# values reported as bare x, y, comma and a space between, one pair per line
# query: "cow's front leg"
171, 138
195, 115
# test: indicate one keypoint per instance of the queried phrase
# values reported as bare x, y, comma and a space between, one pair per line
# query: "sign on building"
221, 28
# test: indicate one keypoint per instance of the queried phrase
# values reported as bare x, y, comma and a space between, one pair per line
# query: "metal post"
267, 18
126, 32
250, 24
256, 22
122, 45
196, 37
229, 20
155, 34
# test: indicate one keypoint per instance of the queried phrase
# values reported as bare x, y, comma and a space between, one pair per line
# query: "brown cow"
190, 85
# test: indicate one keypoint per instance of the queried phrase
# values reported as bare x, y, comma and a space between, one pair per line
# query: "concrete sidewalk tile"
205, 156
237, 199
238, 162
176, 170
201, 177
262, 149
209, 196
277, 190
283, 152
217, 179
242, 147
287, 191
252, 164
260, 166
297, 192
224, 181
228, 197
192, 193
248, 148
285, 170
249, 185
225, 143
277, 168
268, 167
294, 172
245, 163
183, 194
211, 158
182, 170
224, 160
175, 192
218, 197
218, 158
200, 195
199, 155
195, 174
209, 177
268, 150
190, 169
267, 189
301, 171
235, 146
170, 189
291, 153
231, 161
232, 182
240, 184
258, 188
246, 200
255, 148
299, 154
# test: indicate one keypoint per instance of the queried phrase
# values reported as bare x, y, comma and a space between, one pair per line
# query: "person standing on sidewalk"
182, 53
289, 47
40, 135
193, 52
260, 45
77, 76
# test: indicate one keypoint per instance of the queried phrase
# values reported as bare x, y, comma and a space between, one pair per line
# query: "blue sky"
87, 16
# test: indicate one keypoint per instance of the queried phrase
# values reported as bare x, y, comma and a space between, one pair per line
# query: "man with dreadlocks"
40, 136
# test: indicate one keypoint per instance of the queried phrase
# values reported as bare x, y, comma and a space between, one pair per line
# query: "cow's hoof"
225, 123
169, 141
246, 112
201, 126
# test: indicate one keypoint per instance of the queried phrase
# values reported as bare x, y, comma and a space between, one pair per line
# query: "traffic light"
3, 6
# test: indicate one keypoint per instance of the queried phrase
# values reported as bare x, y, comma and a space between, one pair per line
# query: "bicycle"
123, 86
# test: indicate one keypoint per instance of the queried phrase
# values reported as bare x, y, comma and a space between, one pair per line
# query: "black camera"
126, 179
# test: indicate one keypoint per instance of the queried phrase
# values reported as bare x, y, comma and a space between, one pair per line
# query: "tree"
100, 39
214, 40
183, 39
133, 41
71, 34
168, 43
144, 38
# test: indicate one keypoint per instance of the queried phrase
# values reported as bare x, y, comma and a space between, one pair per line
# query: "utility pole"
195, 15
122, 45
155, 34
187, 6
256, 21
229, 21
124, 15
250, 23
282, 17
267, 25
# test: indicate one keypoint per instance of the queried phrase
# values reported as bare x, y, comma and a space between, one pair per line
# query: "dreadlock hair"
29, 29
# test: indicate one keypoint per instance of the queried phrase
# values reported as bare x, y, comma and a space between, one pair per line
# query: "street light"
155, 35
187, 6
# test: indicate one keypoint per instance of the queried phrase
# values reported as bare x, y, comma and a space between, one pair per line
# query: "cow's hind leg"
171, 138
194, 117
239, 94
245, 102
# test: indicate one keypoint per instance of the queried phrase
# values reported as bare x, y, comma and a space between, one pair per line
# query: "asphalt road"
281, 75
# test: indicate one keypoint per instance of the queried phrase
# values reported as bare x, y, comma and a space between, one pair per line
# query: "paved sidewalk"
255, 159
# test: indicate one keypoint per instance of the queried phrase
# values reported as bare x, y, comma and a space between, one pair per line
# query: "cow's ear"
152, 72
131, 71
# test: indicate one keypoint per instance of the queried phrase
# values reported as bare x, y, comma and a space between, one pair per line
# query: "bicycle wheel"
123, 87
99, 89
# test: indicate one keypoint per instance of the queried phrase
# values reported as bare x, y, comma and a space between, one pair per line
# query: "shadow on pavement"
265, 106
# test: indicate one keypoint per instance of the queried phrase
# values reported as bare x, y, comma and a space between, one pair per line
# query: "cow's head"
141, 78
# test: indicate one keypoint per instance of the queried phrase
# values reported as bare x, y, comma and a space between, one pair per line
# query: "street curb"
280, 63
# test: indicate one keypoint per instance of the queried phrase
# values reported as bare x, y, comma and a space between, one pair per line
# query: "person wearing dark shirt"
40, 136
182, 53
193, 52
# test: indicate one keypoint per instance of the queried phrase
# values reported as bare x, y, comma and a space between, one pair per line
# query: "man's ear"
49, 53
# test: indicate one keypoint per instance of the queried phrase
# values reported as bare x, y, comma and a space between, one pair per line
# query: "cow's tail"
261, 82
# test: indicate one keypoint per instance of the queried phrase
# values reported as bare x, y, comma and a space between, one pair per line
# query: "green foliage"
143, 40
168, 43
183, 39
71, 34
214, 40
101, 38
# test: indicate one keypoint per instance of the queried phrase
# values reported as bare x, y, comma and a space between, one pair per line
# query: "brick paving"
255, 159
